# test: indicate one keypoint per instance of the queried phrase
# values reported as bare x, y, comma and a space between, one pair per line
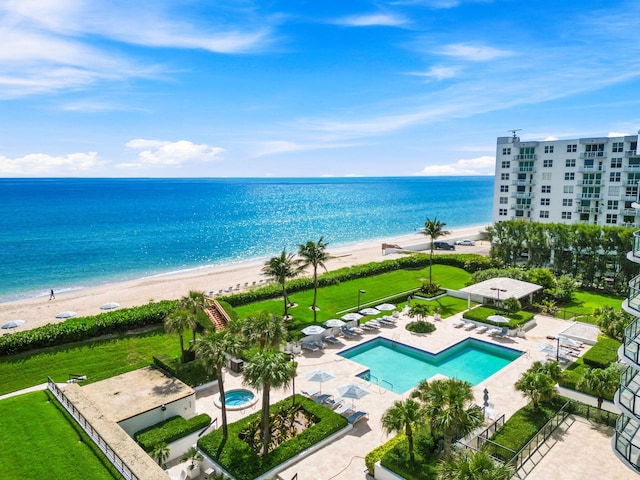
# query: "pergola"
498, 289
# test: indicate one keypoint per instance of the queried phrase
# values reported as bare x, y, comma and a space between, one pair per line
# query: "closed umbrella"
320, 376
13, 324
498, 319
109, 306
66, 314
352, 391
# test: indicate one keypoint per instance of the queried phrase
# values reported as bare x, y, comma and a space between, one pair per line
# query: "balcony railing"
525, 156
635, 252
629, 198
630, 348
523, 183
629, 393
628, 211
626, 441
630, 225
588, 209
590, 182
519, 206
631, 168
524, 170
589, 196
522, 195
592, 168
593, 155
631, 154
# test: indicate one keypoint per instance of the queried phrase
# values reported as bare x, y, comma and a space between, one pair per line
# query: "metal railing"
100, 442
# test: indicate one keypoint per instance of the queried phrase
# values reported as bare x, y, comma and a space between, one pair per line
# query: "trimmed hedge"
84, 328
170, 430
480, 314
377, 453
243, 463
192, 373
603, 353
421, 327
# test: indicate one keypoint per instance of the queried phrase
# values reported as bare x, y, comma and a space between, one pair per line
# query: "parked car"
466, 242
443, 246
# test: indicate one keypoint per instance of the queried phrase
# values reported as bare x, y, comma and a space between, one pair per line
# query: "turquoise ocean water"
73, 233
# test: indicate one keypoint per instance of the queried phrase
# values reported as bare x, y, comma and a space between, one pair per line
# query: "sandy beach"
87, 301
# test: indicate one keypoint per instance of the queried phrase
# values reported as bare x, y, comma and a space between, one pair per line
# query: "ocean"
67, 234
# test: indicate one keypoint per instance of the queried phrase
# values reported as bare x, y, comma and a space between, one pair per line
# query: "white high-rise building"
583, 180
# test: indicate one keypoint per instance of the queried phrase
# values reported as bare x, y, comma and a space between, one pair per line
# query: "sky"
300, 88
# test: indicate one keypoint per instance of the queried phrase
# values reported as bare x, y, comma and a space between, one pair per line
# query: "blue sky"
184, 88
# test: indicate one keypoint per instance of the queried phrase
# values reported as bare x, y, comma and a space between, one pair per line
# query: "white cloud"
473, 53
617, 134
373, 20
484, 165
438, 73
163, 153
42, 164
284, 146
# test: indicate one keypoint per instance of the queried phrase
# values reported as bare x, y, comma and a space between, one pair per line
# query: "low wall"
381, 473
587, 399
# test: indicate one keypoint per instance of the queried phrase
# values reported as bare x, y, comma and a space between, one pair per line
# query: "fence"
101, 443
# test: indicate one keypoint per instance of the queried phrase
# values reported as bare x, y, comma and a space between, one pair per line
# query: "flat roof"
136, 392
502, 288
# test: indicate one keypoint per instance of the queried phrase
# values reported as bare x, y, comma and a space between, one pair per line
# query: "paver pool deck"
344, 458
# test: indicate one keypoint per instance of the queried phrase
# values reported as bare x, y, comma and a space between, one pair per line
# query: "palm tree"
178, 321
448, 404
434, 229
476, 465
265, 329
314, 254
280, 269
160, 453
602, 382
213, 349
535, 384
403, 415
267, 370
194, 303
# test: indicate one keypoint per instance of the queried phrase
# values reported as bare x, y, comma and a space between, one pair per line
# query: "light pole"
359, 292
486, 401
496, 289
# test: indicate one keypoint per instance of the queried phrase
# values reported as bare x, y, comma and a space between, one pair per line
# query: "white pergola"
498, 289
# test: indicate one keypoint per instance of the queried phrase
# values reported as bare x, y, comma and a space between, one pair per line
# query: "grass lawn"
344, 296
583, 304
448, 305
39, 441
97, 360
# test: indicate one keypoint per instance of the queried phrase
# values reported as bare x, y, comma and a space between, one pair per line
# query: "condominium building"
583, 180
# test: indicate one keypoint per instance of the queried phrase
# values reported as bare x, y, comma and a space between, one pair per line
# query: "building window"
506, 164
548, 149
545, 201
506, 151
614, 191
570, 162
568, 189
504, 200
616, 163
612, 219
566, 215
504, 188
569, 176
547, 163
546, 176
614, 177
617, 147
544, 213
612, 204
504, 176
546, 188
567, 202
502, 211
572, 148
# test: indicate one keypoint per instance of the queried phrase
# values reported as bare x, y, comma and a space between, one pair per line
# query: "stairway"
217, 315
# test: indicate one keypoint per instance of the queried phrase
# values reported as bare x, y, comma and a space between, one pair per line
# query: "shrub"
85, 328
603, 353
192, 373
377, 453
170, 430
480, 314
421, 327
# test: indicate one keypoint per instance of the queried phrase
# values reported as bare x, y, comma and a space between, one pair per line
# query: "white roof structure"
502, 288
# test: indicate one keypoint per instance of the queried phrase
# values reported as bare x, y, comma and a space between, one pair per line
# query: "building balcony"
524, 170
634, 254
628, 211
629, 198
523, 183
588, 210
522, 195
628, 396
593, 155
519, 206
592, 168
631, 168
630, 350
631, 154
589, 182
630, 183
626, 442
630, 225
589, 196
526, 156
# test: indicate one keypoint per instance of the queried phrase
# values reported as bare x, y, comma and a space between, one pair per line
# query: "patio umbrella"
320, 376
351, 316
109, 306
313, 330
386, 306
570, 342
352, 391
12, 324
334, 323
498, 319
66, 314
369, 311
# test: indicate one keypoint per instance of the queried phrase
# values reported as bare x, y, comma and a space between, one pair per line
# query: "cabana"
495, 290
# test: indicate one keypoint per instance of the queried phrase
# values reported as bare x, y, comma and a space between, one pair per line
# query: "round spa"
237, 399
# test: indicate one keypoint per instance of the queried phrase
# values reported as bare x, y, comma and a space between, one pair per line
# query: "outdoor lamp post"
359, 292
486, 400
496, 289
292, 358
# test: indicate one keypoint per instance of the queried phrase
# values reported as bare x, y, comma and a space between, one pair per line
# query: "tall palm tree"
314, 254
267, 370
178, 321
535, 384
403, 416
194, 302
476, 465
280, 269
265, 329
433, 229
213, 349
601, 381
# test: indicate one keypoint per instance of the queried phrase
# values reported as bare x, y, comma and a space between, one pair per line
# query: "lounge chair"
368, 328
469, 326
481, 329
312, 394
357, 330
309, 346
347, 332
333, 404
372, 323
385, 322
493, 332
345, 410
503, 332
459, 323
331, 339
322, 398
319, 344
356, 417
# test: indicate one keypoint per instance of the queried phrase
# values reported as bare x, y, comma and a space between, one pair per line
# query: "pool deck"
344, 458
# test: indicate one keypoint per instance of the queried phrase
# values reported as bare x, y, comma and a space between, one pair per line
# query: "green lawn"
97, 360
583, 303
39, 441
344, 296
448, 305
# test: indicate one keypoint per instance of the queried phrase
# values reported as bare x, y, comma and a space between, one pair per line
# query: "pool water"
238, 398
400, 367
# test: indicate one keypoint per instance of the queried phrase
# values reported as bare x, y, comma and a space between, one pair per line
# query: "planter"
193, 472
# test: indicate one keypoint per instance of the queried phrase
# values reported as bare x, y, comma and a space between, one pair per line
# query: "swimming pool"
400, 367
237, 399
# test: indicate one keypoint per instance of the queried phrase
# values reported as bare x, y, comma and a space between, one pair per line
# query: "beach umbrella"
386, 306
570, 342
349, 317
66, 314
313, 330
498, 319
12, 324
109, 306
320, 376
334, 323
370, 311
352, 391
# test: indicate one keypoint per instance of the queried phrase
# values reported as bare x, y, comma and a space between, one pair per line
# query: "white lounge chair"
481, 329
469, 326
459, 323
493, 332
309, 346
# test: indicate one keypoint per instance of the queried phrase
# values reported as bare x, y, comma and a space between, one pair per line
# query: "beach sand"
40, 311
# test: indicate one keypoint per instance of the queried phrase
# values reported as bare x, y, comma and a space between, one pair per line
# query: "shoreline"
38, 311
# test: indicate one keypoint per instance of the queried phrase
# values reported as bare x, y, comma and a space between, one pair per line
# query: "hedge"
377, 453
480, 314
468, 261
170, 430
603, 353
84, 328
235, 455
192, 373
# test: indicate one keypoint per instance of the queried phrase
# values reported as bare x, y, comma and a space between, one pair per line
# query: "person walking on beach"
52, 296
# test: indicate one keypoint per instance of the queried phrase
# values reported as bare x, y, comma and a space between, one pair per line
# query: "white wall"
185, 407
